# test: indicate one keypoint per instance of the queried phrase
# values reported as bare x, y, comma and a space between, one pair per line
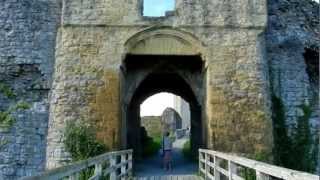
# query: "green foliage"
6, 120
151, 146
302, 143
248, 174
262, 156
300, 151
7, 91
3, 143
22, 105
80, 141
282, 148
187, 152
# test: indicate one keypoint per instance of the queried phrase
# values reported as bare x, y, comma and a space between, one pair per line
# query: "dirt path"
153, 165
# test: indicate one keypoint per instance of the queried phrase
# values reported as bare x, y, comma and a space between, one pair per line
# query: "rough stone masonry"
64, 60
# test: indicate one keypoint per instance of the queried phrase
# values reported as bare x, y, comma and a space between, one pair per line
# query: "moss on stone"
22, 105
6, 120
7, 91
3, 143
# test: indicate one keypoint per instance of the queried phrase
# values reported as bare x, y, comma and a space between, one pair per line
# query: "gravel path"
153, 166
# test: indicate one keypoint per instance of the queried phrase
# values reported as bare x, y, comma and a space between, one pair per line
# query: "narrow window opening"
311, 56
157, 8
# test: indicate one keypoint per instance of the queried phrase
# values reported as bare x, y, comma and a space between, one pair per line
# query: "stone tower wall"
27, 43
182, 107
287, 40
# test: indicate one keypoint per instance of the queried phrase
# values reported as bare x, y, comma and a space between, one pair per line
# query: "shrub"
80, 141
187, 152
151, 147
302, 143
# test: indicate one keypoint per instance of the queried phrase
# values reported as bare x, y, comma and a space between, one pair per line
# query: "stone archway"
162, 60
166, 74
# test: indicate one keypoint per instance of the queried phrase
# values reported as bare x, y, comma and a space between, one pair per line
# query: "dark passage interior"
144, 76
311, 56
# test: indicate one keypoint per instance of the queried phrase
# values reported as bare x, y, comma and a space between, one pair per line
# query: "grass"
187, 152
152, 146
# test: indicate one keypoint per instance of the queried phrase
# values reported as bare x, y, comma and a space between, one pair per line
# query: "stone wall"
171, 120
152, 125
183, 108
27, 41
238, 98
292, 28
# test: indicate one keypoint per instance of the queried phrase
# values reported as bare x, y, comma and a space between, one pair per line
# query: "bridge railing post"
199, 162
216, 167
232, 169
123, 166
98, 170
206, 167
113, 165
130, 159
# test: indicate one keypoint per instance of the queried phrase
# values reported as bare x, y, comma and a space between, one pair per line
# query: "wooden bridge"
213, 165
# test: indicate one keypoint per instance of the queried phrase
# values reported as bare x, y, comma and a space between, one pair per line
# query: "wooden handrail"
73, 171
210, 168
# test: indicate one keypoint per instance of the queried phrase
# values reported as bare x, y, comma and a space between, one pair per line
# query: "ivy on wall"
303, 144
6, 118
7, 91
299, 151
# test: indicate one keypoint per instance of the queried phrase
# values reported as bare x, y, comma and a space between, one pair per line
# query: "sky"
156, 104
157, 7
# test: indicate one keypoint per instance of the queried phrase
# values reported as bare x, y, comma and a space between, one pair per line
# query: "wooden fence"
112, 165
221, 166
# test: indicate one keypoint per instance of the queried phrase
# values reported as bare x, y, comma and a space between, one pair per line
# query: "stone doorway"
146, 75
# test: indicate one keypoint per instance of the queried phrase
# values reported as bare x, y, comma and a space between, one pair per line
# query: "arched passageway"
146, 75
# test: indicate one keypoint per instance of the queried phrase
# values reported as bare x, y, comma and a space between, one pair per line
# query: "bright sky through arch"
156, 8
156, 104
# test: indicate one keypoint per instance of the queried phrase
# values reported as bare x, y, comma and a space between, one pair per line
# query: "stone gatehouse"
109, 60
98, 60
